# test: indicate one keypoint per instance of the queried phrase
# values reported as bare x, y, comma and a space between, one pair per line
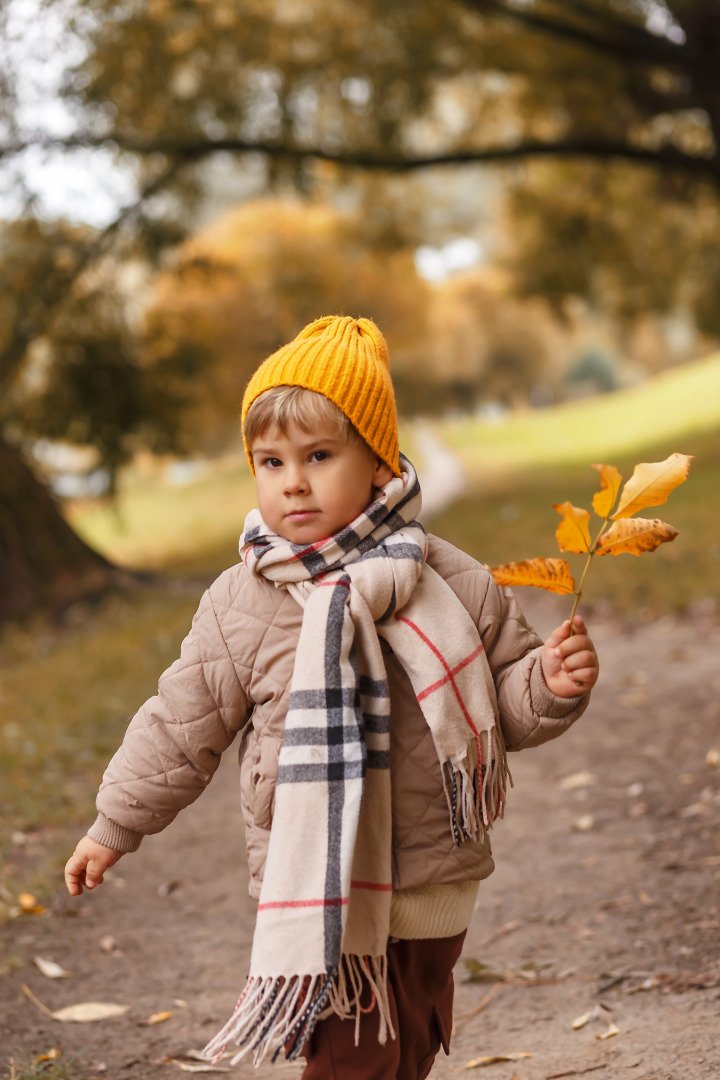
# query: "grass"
682, 403
66, 698
41, 1070
187, 528
67, 694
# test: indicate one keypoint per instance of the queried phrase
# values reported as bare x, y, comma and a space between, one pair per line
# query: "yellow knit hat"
345, 360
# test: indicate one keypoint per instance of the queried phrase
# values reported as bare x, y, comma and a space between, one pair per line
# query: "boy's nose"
295, 481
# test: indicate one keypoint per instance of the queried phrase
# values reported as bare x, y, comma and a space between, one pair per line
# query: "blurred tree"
158, 88
247, 284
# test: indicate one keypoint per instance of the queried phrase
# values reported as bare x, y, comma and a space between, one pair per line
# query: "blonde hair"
282, 406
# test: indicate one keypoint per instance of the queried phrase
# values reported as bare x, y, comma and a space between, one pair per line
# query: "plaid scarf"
324, 911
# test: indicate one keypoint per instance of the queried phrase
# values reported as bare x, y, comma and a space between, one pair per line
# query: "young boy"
378, 676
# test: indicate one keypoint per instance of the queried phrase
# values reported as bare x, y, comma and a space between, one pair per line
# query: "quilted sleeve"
173, 744
530, 713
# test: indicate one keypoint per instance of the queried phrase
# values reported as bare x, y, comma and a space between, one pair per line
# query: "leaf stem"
579, 591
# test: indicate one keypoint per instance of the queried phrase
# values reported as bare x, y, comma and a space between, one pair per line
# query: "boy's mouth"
301, 515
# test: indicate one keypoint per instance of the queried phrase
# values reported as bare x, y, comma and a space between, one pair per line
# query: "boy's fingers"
579, 662
560, 633
74, 875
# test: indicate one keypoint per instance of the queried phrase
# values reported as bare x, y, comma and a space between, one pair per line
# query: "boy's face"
310, 486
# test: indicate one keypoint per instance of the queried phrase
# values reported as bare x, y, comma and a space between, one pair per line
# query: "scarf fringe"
276, 1014
476, 798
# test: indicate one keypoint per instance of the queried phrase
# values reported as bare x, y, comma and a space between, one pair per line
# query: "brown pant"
420, 989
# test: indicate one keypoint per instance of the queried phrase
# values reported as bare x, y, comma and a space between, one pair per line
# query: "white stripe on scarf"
324, 910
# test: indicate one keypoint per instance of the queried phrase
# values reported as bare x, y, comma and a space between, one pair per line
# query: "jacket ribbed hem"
432, 911
114, 836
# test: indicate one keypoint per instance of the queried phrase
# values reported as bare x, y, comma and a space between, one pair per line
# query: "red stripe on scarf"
441, 682
450, 674
309, 550
334, 901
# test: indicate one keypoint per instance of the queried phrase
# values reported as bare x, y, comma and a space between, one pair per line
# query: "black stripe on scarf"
336, 792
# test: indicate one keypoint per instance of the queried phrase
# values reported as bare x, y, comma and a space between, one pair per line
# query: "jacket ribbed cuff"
544, 702
114, 836
432, 911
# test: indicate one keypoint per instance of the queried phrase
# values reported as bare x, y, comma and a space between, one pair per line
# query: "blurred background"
524, 194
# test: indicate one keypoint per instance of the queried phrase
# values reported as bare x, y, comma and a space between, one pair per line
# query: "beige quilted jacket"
233, 677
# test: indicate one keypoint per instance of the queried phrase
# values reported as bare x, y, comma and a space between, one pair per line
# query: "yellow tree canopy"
251, 281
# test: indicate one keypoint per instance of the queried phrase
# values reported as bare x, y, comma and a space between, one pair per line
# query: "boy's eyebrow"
322, 440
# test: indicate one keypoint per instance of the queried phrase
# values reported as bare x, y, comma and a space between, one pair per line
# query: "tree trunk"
44, 565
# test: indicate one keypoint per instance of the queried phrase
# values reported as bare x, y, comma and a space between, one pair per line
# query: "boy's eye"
272, 463
319, 455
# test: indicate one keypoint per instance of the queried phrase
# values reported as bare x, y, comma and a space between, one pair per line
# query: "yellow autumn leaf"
551, 574
634, 536
610, 481
651, 483
158, 1018
572, 533
494, 1059
52, 1055
28, 904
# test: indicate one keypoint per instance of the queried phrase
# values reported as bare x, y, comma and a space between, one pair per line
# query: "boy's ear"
383, 474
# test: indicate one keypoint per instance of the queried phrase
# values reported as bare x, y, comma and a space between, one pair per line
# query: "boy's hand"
88, 865
569, 662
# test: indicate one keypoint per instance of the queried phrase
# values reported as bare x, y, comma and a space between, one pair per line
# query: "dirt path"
607, 885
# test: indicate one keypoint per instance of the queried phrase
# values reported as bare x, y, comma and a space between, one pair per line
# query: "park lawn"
177, 528
679, 404
67, 692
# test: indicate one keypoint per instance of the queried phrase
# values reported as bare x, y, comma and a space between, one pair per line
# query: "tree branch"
644, 46
23, 330
185, 153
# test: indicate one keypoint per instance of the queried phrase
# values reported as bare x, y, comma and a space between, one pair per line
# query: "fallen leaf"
199, 1066
581, 1021
158, 1018
52, 1055
610, 481
550, 574
584, 823
50, 969
85, 1012
613, 1029
644, 898
577, 780
651, 483
712, 758
28, 904
168, 887
494, 1059
108, 943
478, 972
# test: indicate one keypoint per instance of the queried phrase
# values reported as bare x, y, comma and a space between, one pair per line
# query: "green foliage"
43, 1070
586, 230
